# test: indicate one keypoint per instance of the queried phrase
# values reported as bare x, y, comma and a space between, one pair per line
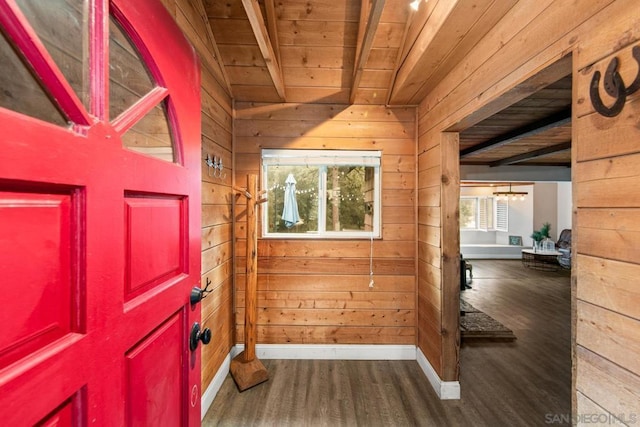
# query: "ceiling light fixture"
415, 4
513, 194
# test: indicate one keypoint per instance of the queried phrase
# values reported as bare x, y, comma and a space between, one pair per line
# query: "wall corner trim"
446, 390
214, 386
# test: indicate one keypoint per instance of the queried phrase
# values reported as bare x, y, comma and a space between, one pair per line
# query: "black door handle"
196, 335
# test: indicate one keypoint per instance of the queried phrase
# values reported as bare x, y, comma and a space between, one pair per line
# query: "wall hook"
614, 86
215, 166
210, 163
220, 167
198, 294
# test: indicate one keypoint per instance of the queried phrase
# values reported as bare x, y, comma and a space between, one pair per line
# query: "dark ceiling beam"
540, 163
554, 164
532, 154
553, 121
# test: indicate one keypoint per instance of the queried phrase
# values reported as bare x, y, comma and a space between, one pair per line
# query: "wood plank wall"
531, 37
217, 228
607, 221
438, 251
316, 291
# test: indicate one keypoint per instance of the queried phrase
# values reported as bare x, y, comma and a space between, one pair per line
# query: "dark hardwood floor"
522, 383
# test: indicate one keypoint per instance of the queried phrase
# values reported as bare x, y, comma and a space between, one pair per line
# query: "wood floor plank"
523, 383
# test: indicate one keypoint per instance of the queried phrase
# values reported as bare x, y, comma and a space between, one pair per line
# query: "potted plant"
539, 235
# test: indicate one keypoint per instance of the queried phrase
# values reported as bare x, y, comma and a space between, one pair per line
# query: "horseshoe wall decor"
614, 86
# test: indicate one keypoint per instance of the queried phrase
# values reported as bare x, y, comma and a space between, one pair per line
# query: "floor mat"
476, 324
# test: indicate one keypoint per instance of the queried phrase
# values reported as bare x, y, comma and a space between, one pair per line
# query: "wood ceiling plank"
200, 8
532, 154
487, 20
318, 57
549, 75
371, 96
415, 24
396, 11
316, 77
400, 53
473, 84
252, 7
382, 59
556, 120
242, 55
233, 31
272, 28
319, 10
365, 8
364, 49
378, 79
224, 9
258, 76
444, 31
255, 93
389, 35
317, 33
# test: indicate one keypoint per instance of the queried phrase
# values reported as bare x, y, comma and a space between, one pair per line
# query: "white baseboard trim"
214, 387
471, 257
332, 351
446, 390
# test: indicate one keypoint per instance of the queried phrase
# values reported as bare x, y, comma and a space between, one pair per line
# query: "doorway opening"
520, 143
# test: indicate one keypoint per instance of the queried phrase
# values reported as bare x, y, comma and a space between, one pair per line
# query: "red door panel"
99, 240
62, 416
41, 291
155, 237
154, 374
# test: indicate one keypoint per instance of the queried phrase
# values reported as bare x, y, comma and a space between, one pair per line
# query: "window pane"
468, 214
490, 213
502, 215
338, 193
151, 135
482, 213
349, 198
306, 192
62, 27
129, 79
21, 91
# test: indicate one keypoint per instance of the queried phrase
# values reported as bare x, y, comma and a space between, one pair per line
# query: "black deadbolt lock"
198, 335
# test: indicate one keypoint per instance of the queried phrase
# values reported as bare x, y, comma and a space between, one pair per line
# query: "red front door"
99, 215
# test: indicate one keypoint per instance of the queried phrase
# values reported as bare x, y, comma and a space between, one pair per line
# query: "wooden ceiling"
535, 131
345, 51
382, 52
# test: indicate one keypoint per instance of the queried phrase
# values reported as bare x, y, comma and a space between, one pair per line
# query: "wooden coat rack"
246, 369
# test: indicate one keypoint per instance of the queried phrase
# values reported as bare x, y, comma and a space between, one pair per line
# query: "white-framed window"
337, 193
502, 215
484, 213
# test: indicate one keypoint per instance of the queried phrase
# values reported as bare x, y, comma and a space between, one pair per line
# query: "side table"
540, 260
